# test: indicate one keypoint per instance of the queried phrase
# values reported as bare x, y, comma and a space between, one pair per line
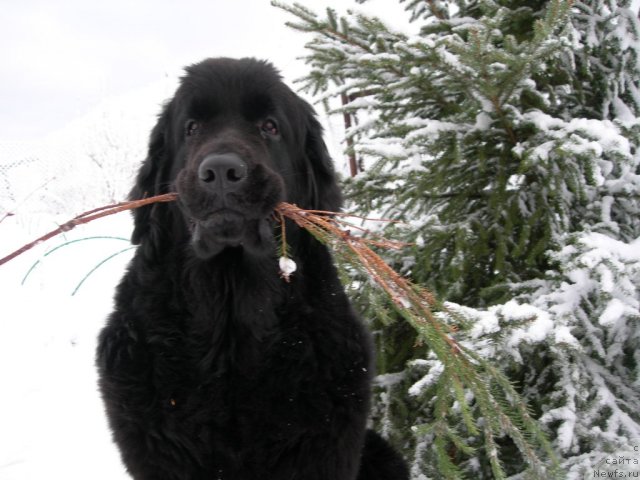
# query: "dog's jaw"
229, 229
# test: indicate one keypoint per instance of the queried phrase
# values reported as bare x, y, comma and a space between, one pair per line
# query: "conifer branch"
435, 11
462, 368
505, 122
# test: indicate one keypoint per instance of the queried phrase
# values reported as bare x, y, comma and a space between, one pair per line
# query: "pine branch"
435, 11
462, 368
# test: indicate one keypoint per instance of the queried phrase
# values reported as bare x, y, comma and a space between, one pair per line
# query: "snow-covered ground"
55, 298
51, 419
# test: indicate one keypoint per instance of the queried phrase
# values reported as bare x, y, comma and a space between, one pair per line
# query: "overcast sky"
60, 58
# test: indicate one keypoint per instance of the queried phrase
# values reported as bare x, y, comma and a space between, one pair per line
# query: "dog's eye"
270, 127
191, 127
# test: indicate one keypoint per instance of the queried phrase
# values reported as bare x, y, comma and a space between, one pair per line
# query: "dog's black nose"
224, 171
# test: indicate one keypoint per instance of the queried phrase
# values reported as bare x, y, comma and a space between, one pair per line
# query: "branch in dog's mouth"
323, 225
327, 227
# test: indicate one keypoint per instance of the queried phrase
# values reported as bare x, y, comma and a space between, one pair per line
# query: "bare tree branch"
87, 217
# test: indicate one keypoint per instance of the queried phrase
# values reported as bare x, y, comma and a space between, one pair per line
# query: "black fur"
212, 366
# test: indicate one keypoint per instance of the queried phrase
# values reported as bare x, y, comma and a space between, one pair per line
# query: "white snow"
486, 323
427, 380
51, 416
604, 246
430, 127
287, 267
483, 121
563, 334
566, 429
604, 134
612, 313
56, 297
538, 323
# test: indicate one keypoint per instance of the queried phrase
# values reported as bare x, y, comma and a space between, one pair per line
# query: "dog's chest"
235, 380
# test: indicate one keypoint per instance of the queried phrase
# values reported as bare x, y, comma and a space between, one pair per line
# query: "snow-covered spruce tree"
505, 135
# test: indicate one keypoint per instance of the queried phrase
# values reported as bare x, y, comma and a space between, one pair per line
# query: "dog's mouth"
227, 228
231, 212
224, 223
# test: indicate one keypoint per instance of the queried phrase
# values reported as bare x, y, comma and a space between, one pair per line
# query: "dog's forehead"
225, 85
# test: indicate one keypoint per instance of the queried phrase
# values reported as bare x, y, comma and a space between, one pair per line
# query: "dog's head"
233, 142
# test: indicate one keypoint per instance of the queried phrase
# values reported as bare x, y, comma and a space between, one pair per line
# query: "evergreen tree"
505, 135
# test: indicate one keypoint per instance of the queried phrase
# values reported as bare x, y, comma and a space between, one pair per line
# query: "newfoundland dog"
212, 366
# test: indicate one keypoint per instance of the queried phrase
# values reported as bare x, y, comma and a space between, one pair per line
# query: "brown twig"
327, 220
87, 217
6, 215
416, 301
320, 223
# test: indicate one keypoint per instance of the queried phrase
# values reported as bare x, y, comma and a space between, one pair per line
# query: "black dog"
212, 366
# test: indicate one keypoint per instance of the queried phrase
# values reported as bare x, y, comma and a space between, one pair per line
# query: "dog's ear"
325, 192
150, 181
